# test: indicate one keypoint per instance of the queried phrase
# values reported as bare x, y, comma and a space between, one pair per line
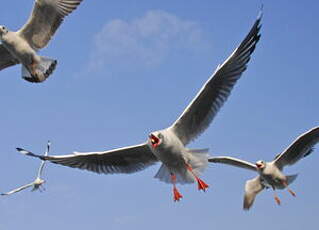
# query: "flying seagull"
38, 182
179, 164
22, 46
271, 173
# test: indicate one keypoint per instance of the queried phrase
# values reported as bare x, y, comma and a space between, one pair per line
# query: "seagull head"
260, 165
39, 181
3, 30
155, 139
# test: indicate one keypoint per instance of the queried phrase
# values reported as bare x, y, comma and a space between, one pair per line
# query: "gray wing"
252, 188
6, 59
234, 162
18, 189
123, 160
204, 107
45, 19
300, 148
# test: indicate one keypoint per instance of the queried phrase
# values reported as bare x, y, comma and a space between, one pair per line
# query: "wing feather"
6, 59
45, 19
123, 160
18, 189
234, 162
204, 107
252, 188
301, 147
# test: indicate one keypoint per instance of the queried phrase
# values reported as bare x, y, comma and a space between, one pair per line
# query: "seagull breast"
170, 149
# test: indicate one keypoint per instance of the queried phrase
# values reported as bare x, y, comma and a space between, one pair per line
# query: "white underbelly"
171, 159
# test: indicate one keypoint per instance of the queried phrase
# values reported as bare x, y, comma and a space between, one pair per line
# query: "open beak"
259, 166
154, 140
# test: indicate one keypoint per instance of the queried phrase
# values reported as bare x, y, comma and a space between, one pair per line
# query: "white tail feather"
197, 159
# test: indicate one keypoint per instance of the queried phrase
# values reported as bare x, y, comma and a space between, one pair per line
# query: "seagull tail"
198, 160
291, 178
42, 70
28, 153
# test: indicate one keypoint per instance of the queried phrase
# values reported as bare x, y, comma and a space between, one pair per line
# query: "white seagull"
271, 173
38, 182
179, 164
22, 46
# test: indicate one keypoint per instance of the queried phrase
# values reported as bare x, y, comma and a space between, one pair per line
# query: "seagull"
179, 164
271, 173
22, 46
38, 182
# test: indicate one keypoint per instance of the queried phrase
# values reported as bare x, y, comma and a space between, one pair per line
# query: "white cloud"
143, 42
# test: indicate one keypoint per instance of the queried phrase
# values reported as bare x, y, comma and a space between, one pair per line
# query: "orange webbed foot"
292, 192
202, 185
177, 195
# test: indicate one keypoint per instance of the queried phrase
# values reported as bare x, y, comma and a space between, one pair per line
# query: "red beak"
258, 165
154, 140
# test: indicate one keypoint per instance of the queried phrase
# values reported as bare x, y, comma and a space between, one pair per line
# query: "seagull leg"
33, 68
276, 197
176, 194
289, 190
201, 184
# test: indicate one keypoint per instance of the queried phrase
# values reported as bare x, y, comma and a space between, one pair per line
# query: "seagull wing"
45, 19
43, 162
40, 171
234, 162
252, 188
300, 148
18, 189
6, 59
204, 107
123, 160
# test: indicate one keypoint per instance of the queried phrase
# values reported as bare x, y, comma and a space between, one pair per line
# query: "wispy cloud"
143, 42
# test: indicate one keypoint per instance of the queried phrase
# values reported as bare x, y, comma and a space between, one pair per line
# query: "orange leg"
176, 193
33, 68
276, 197
277, 200
289, 190
201, 184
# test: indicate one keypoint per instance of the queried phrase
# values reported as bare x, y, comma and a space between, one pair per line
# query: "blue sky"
130, 67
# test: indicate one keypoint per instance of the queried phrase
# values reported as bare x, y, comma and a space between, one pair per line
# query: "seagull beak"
154, 140
258, 165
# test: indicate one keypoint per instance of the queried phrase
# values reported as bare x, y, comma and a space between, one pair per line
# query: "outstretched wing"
43, 162
40, 171
300, 148
204, 107
234, 162
6, 59
18, 189
45, 19
123, 160
252, 188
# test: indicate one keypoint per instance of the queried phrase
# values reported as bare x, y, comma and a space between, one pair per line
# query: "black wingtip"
261, 12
